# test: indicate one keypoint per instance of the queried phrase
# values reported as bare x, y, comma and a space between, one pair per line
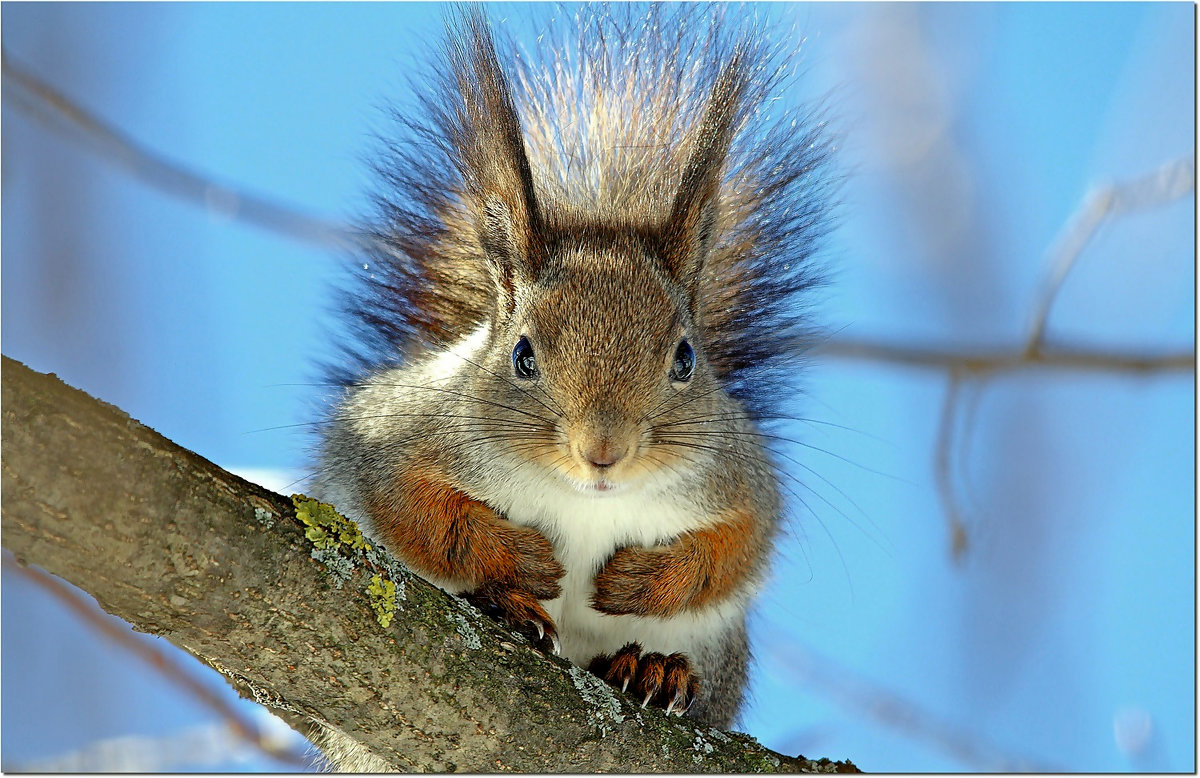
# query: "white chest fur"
585, 530
584, 527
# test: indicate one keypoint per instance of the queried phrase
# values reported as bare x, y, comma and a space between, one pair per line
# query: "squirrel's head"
601, 355
595, 327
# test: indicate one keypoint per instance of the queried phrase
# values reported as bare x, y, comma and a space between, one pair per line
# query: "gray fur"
619, 191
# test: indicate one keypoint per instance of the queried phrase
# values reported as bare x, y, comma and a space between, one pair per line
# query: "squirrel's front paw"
519, 557
667, 681
519, 610
629, 584
537, 570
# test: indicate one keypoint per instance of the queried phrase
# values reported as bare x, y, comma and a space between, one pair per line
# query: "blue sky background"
1065, 639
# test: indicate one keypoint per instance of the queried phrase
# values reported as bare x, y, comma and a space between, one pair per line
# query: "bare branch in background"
1170, 182
897, 714
49, 106
982, 361
119, 632
943, 467
1165, 185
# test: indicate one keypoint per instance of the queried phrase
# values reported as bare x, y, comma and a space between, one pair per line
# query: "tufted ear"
690, 231
491, 157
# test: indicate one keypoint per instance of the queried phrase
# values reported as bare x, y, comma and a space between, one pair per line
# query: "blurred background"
988, 571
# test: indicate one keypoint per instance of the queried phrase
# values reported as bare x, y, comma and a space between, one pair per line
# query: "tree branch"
1168, 183
54, 109
161, 663
224, 569
979, 361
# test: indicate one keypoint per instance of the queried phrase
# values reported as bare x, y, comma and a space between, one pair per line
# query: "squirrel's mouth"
597, 487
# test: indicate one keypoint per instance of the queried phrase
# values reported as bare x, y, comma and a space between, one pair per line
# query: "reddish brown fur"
443, 533
700, 568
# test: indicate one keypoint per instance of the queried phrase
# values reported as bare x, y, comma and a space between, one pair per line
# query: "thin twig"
52, 108
1164, 185
1168, 183
981, 362
968, 417
158, 660
943, 461
201, 747
870, 701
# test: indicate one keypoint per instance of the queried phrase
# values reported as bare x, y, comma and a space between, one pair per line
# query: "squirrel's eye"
523, 362
685, 362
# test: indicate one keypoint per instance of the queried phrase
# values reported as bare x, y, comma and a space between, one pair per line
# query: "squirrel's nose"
603, 454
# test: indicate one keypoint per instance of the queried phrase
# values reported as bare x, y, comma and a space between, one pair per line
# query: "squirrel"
583, 305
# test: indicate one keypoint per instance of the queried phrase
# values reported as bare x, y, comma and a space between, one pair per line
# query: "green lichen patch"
378, 559
382, 593
339, 545
326, 527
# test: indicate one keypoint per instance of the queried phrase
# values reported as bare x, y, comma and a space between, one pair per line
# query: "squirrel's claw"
666, 681
518, 609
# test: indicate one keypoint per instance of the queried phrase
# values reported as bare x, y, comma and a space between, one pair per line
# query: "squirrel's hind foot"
520, 611
666, 681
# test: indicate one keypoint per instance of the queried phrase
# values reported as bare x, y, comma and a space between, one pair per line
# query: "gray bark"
223, 568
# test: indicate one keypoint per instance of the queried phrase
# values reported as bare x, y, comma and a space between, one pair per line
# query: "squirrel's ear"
691, 228
490, 154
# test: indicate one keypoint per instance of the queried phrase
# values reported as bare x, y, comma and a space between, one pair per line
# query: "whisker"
784, 438
452, 392
466, 445
660, 462
365, 417
798, 463
309, 474
772, 417
469, 397
799, 525
650, 415
802, 484
514, 385
719, 387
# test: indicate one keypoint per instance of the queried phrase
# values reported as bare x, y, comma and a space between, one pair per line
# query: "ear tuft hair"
488, 151
691, 228
665, 120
